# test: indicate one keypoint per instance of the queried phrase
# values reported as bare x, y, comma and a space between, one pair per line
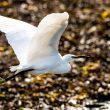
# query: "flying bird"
37, 47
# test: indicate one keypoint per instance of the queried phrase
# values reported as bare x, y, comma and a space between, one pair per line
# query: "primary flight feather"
18, 34
37, 47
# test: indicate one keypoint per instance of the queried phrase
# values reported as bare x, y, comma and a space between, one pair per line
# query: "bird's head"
55, 19
70, 57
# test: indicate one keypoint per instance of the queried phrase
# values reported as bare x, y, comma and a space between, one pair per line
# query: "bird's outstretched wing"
50, 30
18, 34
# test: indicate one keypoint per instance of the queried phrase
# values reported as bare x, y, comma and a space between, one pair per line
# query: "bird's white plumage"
10, 24
18, 34
37, 47
54, 18
47, 39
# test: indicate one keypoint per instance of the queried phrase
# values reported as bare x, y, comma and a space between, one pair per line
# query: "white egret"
37, 47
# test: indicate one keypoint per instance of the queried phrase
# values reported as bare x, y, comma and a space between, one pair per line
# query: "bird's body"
37, 47
52, 64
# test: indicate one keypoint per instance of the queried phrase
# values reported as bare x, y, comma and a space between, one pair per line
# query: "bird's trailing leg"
13, 76
18, 72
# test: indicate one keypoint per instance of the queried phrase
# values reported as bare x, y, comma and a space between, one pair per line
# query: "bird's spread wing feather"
19, 35
31, 43
47, 40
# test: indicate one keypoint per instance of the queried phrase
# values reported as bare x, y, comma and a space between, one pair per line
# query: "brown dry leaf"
2, 95
105, 14
81, 96
69, 37
90, 66
11, 52
52, 96
40, 78
4, 4
2, 49
35, 94
92, 29
32, 8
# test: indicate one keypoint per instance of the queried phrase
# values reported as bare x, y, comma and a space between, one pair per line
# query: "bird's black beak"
82, 56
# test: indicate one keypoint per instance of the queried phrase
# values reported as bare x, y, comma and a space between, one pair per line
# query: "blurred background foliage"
88, 33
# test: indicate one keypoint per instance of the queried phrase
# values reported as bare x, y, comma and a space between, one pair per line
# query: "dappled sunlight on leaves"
105, 13
87, 34
90, 67
4, 3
